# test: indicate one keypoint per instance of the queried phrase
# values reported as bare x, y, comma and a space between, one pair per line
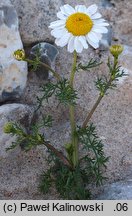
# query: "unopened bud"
19, 54
116, 50
8, 127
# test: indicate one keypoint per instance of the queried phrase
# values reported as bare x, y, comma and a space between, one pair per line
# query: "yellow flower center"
79, 24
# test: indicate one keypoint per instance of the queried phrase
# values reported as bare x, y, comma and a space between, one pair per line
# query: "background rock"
5, 2
119, 16
13, 74
117, 191
35, 17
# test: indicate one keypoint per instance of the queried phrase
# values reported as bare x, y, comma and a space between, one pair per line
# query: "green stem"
73, 71
84, 125
74, 140
55, 74
115, 62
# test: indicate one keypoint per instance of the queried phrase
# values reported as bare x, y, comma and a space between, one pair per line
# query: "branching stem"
55, 74
84, 125
58, 154
92, 111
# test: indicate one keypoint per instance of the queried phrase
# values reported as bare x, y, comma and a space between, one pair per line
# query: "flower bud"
8, 127
116, 50
19, 54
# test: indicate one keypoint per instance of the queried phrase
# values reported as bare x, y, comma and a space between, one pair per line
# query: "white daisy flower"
77, 27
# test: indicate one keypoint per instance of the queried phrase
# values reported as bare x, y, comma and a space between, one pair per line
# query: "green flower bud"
19, 55
116, 50
8, 127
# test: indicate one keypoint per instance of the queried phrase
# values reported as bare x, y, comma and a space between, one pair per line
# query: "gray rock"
127, 159
117, 191
47, 54
35, 17
106, 3
5, 2
13, 74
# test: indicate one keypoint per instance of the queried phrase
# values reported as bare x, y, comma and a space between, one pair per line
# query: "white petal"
59, 27
93, 37
81, 8
99, 35
82, 39
100, 29
63, 11
57, 23
96, 16
92, 9
63, 40
78, 45
102, 20
58, 33
94, 45
77, 8
70, 46
100, 24
67, 9
99, 20
60, 15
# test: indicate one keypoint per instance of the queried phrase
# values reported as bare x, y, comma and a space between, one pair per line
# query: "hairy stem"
55, 74
74, 140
